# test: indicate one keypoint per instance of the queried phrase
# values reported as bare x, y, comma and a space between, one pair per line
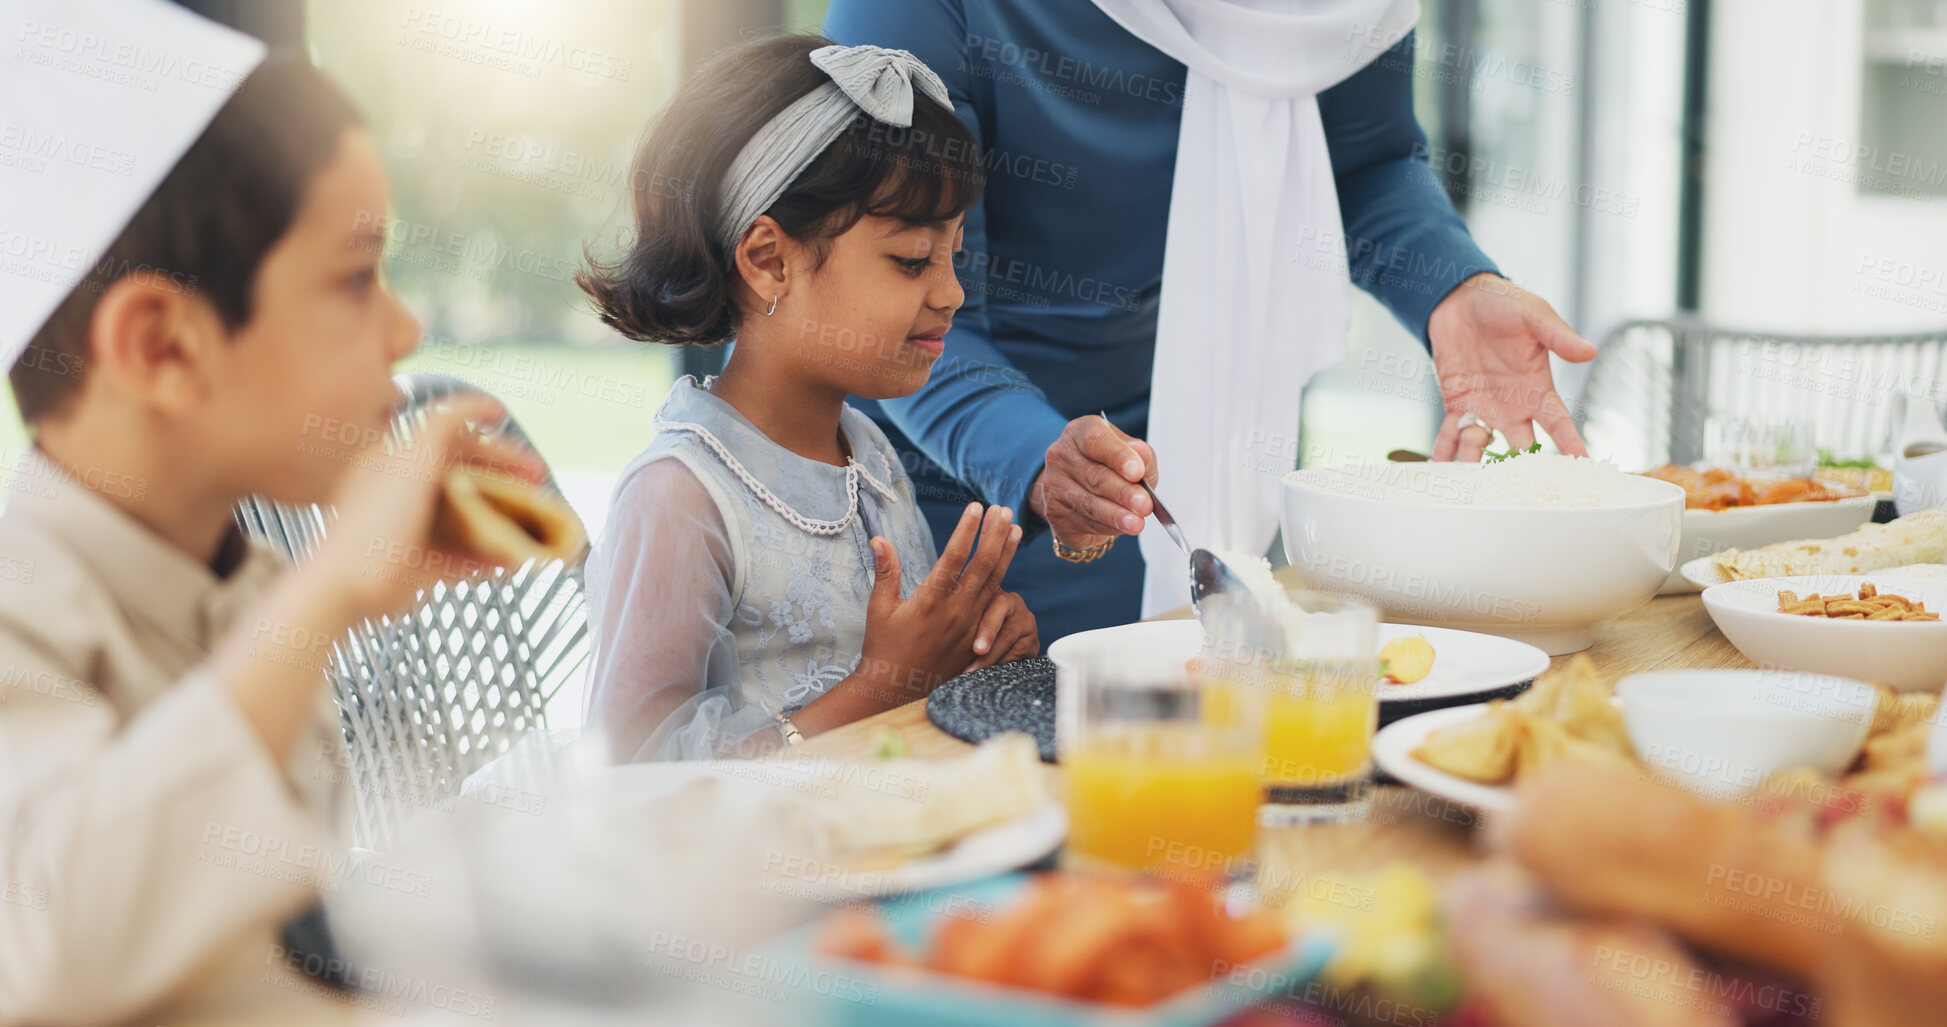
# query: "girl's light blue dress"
731, 580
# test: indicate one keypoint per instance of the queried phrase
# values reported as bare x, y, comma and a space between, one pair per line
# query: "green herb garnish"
1492, 457
1826, 459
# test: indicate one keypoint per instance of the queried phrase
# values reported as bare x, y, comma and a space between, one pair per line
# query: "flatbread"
1915, 538
506, 520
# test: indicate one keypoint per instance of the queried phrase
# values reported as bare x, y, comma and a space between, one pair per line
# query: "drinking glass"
1152, 782
1307, 672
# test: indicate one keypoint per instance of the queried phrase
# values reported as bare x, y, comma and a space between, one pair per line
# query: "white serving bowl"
1721, 733
1543, 575
1908, 656
1709, 532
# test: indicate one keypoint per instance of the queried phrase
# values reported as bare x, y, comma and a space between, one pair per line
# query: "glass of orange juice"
1306, 670
1151, 782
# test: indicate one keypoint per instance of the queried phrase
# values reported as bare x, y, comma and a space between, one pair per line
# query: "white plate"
1464, 662
1703, 573
1392, 750
991, 850
1906, 656
1708, 532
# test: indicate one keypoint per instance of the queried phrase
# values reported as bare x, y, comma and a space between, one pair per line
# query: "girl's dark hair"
206, 229
675, 282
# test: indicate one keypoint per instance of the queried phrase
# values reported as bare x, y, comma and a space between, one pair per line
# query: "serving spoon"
1209, 575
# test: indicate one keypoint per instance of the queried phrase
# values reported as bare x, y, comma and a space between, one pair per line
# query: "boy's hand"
381, 552
914, 644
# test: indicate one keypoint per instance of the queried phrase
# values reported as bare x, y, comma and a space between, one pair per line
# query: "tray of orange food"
1730, 511
1054, 949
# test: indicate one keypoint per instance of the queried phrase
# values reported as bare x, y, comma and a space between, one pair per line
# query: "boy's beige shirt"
143, 826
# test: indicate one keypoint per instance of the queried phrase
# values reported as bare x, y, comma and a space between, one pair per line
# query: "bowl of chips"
1871, 627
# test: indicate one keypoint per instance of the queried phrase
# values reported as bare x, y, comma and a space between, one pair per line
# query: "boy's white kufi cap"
98, 101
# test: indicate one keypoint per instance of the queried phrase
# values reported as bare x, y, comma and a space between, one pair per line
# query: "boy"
161, 713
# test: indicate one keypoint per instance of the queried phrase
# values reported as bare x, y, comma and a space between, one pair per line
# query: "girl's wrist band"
792, 736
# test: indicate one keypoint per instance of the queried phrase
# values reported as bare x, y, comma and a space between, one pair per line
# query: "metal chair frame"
429, 697
1656, 384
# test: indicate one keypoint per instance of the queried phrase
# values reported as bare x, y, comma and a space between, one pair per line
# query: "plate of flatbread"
1916, 539
887, 827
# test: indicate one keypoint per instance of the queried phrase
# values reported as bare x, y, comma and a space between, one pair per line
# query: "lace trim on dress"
853, 474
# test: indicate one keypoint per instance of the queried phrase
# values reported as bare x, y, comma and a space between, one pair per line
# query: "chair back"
429, 697
1656, 384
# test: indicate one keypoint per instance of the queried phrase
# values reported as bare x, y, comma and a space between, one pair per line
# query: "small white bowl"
1721, 733
1909, 656
1541, 575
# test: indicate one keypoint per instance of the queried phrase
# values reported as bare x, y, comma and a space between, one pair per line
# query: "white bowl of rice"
1536, 547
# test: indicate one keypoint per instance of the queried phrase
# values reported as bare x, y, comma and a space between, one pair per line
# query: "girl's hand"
914, 644
381, 552
1007, 632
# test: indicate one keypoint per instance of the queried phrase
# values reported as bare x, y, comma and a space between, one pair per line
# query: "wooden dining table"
1403, 824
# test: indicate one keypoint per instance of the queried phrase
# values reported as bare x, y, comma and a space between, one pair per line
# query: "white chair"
430, 697
1656, 383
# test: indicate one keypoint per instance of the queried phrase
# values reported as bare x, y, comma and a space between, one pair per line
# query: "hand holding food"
505, 519
384, 546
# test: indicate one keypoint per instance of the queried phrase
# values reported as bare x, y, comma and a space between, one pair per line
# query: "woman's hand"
1491, 340
1087, 490
381, 551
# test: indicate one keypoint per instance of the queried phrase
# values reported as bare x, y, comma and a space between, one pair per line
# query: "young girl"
763, 576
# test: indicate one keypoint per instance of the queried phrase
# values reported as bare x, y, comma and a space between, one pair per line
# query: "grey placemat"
1014, 696
1020, 696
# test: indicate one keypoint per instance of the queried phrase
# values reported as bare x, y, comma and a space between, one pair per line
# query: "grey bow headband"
872, 79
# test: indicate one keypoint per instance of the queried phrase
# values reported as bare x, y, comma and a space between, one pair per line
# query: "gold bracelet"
1094, 552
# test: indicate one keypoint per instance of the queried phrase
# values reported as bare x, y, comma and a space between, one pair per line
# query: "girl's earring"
773, 309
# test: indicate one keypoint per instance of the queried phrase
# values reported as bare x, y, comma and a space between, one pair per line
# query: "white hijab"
1253, 303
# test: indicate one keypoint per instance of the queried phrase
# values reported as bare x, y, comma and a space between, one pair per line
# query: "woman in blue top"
1064, 262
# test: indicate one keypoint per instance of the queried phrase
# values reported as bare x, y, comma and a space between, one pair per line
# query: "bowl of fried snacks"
1865, 626
1058, 948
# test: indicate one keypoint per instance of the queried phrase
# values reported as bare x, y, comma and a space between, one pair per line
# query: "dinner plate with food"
1906, 547
1060, 948
1721, 733
1418, 664
885, 827
1728, 511
1876, 627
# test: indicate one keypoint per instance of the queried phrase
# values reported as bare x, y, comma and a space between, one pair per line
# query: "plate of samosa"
1473, 755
